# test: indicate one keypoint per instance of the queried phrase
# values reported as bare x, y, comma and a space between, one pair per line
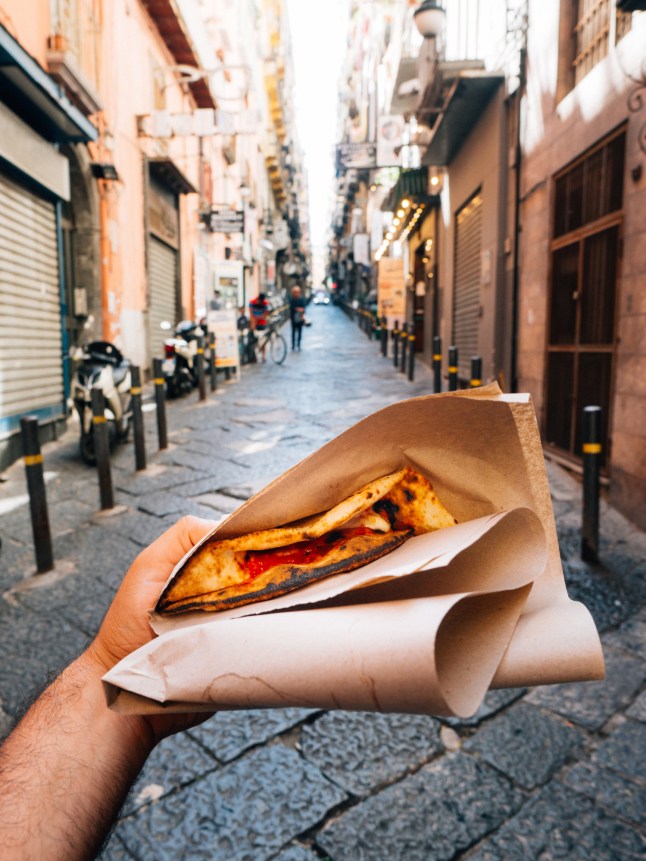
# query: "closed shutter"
466, 293
162, 282
31, 366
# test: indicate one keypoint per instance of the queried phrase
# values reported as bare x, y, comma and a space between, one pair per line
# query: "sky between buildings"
319, 35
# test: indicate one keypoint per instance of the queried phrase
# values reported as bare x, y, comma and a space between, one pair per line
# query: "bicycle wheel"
278, 348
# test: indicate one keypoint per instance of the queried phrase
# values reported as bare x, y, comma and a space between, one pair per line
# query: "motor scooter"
179, 367
102, 366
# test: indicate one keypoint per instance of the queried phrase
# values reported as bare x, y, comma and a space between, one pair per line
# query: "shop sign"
391, 290
226, 221
356, 155
224, 324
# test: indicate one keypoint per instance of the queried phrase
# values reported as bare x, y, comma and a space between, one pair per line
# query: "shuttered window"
31, 369
162, 283
466, 292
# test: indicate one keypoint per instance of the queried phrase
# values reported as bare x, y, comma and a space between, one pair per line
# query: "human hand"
126, 626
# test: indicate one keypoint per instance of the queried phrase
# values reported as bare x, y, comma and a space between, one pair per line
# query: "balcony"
171, 26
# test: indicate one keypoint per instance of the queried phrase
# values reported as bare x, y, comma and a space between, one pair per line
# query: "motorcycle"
102, 366
179, 367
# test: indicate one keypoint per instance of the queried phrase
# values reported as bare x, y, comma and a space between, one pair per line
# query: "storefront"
36, 118
165, 185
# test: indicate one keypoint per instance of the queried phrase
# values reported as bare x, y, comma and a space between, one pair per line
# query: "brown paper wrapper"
428, 628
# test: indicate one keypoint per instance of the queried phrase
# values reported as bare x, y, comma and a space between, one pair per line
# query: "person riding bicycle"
259, 316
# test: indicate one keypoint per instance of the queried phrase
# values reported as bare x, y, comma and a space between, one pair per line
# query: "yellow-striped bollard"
591, 469
37, 496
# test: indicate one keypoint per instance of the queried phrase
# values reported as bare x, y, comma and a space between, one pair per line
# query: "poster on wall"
391, 290
224, 324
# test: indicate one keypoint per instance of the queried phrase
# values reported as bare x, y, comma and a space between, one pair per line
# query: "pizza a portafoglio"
370, 523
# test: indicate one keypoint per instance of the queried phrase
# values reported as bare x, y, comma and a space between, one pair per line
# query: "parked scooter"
179, 367
102, 366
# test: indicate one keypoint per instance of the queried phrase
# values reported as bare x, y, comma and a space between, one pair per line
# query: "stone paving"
551, 773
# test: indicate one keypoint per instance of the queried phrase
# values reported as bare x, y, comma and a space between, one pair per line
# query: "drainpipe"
517, 227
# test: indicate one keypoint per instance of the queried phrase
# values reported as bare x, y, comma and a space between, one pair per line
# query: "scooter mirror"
165, 325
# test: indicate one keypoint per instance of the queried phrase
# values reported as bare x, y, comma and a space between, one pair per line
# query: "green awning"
27, 89
412, 184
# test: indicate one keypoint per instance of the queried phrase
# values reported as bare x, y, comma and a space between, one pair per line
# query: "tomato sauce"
301, 553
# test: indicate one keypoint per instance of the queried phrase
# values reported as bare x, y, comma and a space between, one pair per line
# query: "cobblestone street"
550, 773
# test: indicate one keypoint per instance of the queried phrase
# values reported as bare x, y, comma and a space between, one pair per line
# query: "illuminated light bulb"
400, 213
405, 204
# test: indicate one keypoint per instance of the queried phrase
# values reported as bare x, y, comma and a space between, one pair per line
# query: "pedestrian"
67, 767
259, 317
297, 316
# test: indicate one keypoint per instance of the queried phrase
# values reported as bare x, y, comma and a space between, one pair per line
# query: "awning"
167, 172
411, 184
467, 100
32, 95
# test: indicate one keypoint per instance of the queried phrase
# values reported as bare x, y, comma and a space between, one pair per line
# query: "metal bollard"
213, 368
404, 347
37, 495
411, 356
102, 449
396, 344
199, 359
437, 364
384, 336
160, 400
138, 419
591, 468
476, 372
453, 369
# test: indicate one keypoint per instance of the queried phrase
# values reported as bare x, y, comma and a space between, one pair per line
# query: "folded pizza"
370, 523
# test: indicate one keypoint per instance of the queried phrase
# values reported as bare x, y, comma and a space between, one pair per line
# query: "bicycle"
272, 339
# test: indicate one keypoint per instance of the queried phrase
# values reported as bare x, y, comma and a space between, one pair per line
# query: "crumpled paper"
426, 629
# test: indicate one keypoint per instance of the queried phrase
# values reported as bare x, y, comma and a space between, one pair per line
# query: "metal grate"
466, 293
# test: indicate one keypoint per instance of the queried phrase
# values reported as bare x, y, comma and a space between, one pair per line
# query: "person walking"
259, 309
297, 316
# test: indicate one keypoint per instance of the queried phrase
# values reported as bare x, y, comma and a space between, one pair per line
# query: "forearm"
66, 769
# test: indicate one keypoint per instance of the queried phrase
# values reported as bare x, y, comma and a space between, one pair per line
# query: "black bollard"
591, 469
102, 449
404, 347
160, 400
37, 495
437, 364
199, 359
138, 419
384, 336
396, 344
411, 357
213, 368
453, 369
476, 372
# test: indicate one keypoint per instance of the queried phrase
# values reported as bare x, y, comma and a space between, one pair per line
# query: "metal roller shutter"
466, 294
162, 281
31, 367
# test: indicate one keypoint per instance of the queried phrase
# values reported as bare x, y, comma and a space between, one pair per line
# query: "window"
591, 34
585, 265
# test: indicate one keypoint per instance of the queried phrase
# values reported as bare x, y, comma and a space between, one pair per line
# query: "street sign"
226, 221
356, 155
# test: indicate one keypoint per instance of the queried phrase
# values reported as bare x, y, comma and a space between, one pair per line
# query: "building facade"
513, 219
145, 161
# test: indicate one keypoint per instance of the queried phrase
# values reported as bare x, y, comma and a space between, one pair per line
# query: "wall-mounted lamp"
104, 171
430, 19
